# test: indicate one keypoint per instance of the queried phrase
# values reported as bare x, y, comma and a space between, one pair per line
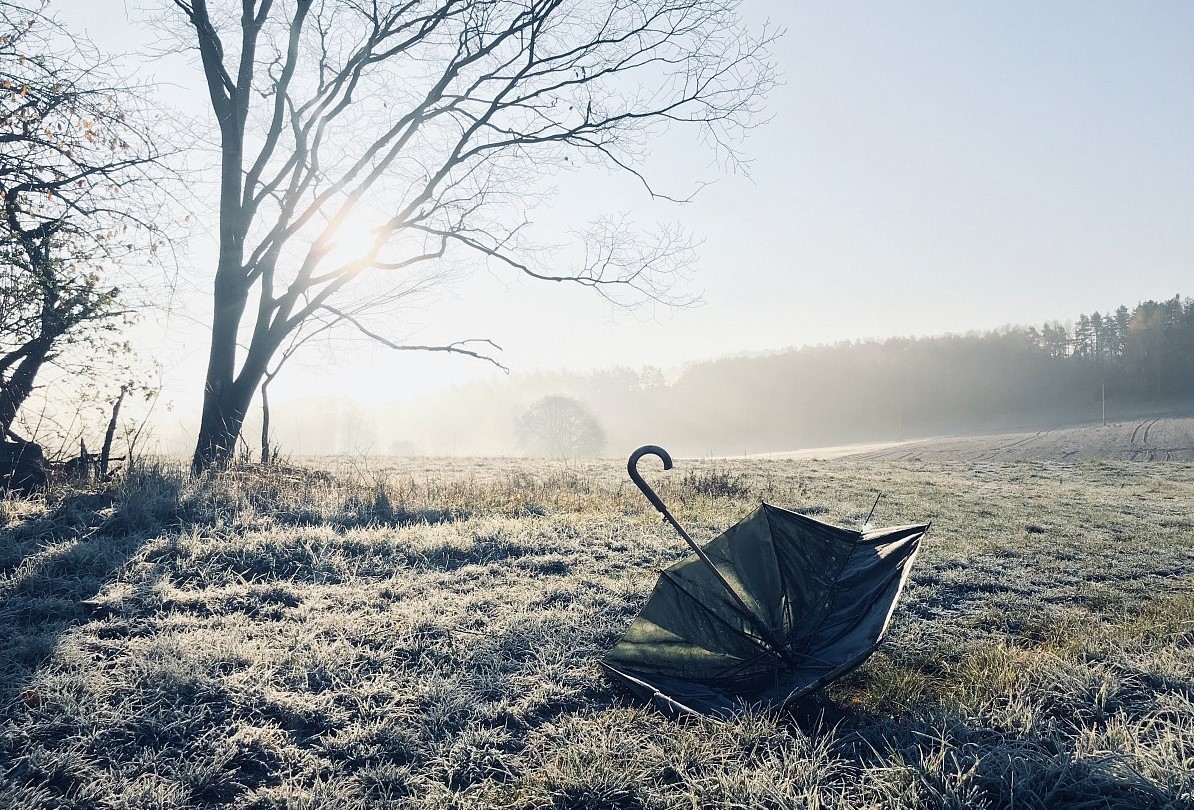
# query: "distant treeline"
881, 390
1142, 358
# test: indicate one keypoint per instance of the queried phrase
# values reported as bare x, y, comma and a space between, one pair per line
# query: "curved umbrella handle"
759, 626
632, 468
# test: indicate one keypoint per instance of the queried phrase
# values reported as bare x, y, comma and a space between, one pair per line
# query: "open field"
1142, 439
424, 634
1162, 438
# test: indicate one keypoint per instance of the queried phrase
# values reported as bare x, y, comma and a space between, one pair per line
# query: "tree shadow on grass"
76, 516
55, 563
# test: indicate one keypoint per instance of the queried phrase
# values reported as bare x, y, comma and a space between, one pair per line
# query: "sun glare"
352, 241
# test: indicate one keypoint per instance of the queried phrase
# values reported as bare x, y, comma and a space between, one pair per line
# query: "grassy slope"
1146, 438
409, 638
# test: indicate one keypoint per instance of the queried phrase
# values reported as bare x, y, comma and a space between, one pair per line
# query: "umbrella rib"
906, 565
758, 642
837, 579
733, 669
878, 598
786, 612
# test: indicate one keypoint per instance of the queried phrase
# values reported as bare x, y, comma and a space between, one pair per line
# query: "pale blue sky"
930, 167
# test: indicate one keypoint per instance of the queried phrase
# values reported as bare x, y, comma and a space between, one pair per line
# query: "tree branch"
456, 347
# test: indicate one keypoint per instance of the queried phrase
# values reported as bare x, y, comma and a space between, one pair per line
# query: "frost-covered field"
1141, 439
424, 634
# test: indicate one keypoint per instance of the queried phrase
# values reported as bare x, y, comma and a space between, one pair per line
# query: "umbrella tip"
866, 524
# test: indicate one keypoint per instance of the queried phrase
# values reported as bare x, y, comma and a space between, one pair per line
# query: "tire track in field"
990, 454
1139, 443
877, 455
912, 450
1147, 440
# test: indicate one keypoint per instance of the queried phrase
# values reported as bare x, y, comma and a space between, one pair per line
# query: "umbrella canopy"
772, 609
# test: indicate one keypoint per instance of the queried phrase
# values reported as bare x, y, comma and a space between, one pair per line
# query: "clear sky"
929, 167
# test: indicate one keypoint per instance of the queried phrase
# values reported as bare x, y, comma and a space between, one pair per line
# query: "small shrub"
715, 482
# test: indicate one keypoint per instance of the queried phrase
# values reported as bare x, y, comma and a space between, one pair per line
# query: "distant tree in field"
430, 122
74, 152
560, 426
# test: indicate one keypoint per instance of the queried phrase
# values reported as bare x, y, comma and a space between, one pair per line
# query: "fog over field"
1122, 367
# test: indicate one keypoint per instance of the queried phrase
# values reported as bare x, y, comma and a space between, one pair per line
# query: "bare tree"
73, 150
560, 426
430, 121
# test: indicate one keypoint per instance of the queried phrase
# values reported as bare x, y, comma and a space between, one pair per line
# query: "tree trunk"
22, 468
224, 400
110, 434
18, 387
227, 396
265, 448
224, 391
220, 426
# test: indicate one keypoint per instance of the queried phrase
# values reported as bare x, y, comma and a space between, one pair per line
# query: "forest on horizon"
858, 391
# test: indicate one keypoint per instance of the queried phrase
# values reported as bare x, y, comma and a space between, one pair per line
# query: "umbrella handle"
632, 468
764, 633
657, 502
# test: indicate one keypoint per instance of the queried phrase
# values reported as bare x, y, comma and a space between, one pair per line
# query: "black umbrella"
772, 609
